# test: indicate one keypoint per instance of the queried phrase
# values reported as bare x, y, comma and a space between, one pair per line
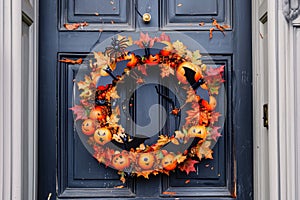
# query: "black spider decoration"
117, 48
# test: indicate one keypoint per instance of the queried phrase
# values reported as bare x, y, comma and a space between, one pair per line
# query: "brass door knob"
146, 17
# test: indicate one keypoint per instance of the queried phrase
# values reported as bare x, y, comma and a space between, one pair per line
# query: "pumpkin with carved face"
198, 131
121, 161
133, 60
146, 161
102, 136
88, 127
182, 72
153, 60
169, 162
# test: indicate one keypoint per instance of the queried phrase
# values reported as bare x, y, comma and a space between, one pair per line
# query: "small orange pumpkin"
169, 162
99, 113
209, 106
121, 161
198, 131
153, 60
102, 136
88, 127
146, 161
133, 60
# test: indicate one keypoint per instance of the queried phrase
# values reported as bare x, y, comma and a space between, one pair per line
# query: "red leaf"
214, 71
80, 112
164, 37
142, 68
215, 133
145, 41
188, 165
214, 117
67, 60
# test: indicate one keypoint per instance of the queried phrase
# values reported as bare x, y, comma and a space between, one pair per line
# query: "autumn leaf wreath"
100, 107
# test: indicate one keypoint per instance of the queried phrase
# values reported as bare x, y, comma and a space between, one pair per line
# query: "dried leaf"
122, 177
214, 117
67, 60
201, 23
75, 26
119, 186
113, 93
179, 47
169, 193
86, 86
196, 58
166, 71
218, 27
145, 41
101, 59
187, 181
188, 165
145, 174
164, 37
214, 133
211, 33
143, 69
204, 151
180, 158
80, 112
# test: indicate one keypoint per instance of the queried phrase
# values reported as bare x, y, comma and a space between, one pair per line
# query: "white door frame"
18, 99
283, 58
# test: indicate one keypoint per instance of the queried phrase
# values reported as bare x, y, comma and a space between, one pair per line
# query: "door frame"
283, 177
283, 154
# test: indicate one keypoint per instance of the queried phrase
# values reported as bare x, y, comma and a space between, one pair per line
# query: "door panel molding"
117, 15
187, 16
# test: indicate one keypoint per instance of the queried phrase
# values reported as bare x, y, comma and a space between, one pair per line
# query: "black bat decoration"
129, 142
190, 77
171, 147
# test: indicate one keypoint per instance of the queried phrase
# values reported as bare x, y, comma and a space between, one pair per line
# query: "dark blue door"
68, 171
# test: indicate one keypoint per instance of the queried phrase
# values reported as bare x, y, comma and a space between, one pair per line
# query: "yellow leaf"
180, 158
113, 93
204, 151
196, 58
179, 47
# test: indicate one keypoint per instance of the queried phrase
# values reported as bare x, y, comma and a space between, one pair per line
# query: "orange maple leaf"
75, 26
67, 60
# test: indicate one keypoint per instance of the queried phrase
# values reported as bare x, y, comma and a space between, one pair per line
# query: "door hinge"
265, 116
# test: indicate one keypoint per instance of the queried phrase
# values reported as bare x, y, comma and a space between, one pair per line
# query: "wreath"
100, 107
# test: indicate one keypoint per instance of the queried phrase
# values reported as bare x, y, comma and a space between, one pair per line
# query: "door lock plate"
265, 116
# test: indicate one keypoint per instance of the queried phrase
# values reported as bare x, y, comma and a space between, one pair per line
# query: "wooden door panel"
79, 173
212, 177
187, 14
107, 15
